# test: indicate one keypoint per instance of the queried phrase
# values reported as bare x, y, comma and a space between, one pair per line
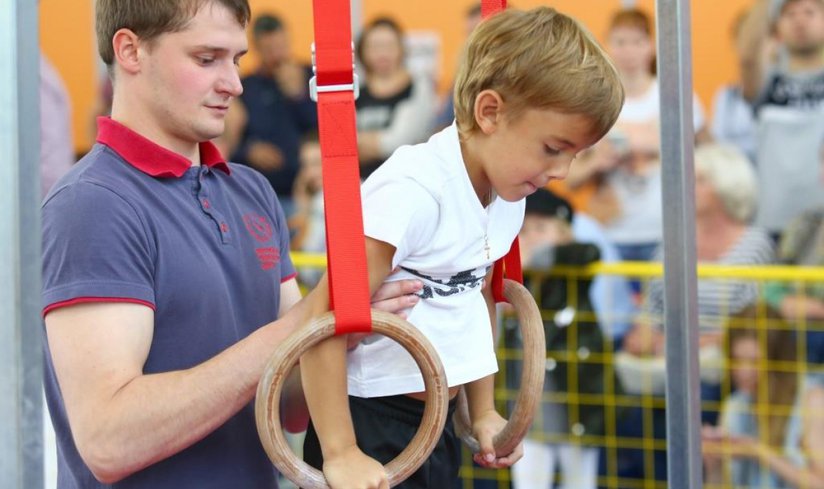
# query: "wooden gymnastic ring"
532, 377
286, 356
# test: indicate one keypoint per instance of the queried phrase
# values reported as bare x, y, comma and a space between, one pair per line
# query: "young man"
789, 105
167, 283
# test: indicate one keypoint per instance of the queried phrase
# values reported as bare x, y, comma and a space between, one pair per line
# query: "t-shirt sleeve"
96, 248
401, 212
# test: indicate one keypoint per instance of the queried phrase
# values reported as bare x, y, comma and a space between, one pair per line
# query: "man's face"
187, 79
801, 26
273, 49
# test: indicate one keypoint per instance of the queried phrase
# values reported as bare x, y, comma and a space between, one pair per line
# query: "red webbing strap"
489, 7
348, 276
510, 265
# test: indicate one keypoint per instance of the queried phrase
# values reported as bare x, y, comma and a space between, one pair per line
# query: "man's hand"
352, 469
489, 424
264, 156
394, 297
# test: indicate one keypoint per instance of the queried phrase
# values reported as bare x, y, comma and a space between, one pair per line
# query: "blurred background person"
265, 125
623, 171
394, 107
56, 144
788, 91
575, 342
771, 433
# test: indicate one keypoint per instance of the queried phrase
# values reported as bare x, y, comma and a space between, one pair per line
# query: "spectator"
772, 432
308, 224
626, 168
802, 244
733, 120
266, 123
788, 98
547, 239
56, 145
394, 108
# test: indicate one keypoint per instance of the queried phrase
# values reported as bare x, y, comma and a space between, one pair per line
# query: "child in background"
533, 90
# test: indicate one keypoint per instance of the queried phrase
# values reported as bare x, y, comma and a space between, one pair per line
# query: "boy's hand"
485, 428
353, 469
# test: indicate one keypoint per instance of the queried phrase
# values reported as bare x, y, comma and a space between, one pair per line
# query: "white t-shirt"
422, 202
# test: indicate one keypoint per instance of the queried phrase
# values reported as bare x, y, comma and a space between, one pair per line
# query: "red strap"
489, 7
348, 275
510, 265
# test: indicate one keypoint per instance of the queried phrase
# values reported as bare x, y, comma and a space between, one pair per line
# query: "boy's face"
187, 79
801, 26
523, 154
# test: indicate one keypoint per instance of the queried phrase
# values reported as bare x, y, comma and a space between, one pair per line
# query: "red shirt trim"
149, 157
87, 300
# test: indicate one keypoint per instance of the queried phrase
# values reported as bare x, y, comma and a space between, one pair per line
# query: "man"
789, 101
267, 123
167, 283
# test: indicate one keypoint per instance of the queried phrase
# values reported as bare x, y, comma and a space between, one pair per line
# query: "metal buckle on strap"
314, 89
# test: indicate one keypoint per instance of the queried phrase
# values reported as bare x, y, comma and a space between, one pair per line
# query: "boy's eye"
551, 151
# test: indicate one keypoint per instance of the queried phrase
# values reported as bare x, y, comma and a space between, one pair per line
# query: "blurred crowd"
759, 199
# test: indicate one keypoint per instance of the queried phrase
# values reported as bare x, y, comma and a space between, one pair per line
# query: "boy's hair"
537, 59
152, 18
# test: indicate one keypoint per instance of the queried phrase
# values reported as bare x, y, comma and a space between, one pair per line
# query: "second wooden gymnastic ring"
286, 356
532, 377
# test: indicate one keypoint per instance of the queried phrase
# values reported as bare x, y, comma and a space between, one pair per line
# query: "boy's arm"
323, 369
480, 397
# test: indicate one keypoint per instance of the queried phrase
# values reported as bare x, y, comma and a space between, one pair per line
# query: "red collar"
149, 157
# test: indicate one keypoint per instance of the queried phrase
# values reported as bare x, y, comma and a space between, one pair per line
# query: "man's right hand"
353, 469
264, 156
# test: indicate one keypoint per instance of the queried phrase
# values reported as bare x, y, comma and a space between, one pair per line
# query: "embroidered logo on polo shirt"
261, 230
269, 257
258, 227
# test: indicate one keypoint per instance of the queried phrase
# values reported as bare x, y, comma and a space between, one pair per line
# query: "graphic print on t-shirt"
460, 282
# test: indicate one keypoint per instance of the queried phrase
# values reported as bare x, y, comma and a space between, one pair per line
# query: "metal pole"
21, 409
681, 316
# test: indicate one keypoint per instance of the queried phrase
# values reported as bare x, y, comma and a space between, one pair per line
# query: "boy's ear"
488, 110
126, 46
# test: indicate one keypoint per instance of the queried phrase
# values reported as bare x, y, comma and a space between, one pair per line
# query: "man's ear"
488, 110
126, 46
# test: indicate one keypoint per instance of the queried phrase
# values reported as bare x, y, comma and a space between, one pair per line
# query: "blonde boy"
533, 90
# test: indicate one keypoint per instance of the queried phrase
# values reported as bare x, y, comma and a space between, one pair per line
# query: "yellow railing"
646, 446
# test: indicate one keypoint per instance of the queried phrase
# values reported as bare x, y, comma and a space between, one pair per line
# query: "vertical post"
681, 316
21, 411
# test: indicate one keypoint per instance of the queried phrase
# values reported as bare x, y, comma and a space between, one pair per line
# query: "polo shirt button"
224, 227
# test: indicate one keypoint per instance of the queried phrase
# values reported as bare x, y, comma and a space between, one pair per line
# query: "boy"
533, 89
165, 269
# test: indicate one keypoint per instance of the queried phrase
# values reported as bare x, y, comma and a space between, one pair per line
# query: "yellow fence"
588, 387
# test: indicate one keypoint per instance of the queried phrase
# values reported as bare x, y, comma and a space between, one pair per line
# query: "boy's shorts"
384, 426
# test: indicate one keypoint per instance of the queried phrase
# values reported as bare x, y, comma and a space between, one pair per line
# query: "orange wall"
68, 39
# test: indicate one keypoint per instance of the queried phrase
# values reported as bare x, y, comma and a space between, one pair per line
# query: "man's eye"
551, 151
205, 60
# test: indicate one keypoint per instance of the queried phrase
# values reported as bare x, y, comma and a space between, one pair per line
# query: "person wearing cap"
548, 237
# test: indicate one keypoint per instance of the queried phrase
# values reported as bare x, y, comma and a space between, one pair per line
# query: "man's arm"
122, 420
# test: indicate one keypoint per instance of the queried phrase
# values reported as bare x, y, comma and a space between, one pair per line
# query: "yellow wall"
68, 39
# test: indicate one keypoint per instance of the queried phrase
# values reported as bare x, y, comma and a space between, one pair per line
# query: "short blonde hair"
537, 59
732, 176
